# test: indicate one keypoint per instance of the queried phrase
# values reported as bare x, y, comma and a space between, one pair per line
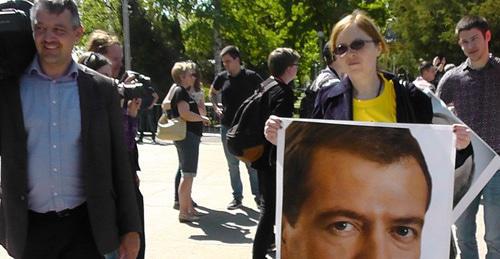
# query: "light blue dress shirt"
51, 110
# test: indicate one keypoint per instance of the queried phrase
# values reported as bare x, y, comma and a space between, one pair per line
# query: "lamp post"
317, 64
126, 34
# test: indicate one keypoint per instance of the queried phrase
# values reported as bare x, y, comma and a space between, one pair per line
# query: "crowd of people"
79, 200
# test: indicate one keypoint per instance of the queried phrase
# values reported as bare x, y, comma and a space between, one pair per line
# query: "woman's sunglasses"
358, 44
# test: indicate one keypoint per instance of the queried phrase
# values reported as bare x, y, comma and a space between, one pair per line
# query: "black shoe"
176, 204
234, 204
271, 249
260, 204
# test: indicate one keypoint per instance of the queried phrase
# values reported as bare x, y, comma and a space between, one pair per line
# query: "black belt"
55, 215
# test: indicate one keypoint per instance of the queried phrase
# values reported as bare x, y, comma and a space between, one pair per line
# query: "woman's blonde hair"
179, 69
365, 23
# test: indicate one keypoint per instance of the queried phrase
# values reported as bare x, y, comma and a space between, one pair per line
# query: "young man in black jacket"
283, 65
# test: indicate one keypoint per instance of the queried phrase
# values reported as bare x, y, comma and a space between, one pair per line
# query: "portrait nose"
375, 246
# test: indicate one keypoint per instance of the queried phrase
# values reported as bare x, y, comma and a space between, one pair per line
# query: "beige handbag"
171, 129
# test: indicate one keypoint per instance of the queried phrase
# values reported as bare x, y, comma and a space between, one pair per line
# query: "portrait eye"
405, 234
342, 228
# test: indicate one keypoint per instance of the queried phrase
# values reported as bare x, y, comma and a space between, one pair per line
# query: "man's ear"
79, 33
487, 36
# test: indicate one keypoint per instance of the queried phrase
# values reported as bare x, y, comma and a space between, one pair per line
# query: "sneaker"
234, 204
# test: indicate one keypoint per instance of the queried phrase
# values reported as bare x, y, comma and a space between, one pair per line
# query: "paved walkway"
220, 234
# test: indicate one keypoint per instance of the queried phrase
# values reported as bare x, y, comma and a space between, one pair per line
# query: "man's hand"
273, 124
129, 246
463, 136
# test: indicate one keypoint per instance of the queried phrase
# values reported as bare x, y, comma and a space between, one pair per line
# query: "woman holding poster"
366, 94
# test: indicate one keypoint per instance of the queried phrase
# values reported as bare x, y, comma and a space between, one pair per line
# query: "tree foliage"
426, 28
165, 31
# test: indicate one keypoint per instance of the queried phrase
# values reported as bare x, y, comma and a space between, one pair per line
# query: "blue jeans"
234, 171
466, 223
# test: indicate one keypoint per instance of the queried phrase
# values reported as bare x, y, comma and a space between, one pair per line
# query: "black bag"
326, 77
307, 103
245, 138
17, 47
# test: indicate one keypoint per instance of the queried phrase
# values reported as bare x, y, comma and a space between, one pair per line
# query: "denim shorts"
188, 152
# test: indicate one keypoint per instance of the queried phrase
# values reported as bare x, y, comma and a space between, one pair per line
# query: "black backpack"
307, 102
17, 47
245, 138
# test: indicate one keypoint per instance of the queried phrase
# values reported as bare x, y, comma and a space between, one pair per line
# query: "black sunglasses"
358, 44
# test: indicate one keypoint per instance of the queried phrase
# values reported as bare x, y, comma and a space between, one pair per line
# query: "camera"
135, 85
17, 47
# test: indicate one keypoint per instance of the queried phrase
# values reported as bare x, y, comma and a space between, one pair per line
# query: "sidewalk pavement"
222, 233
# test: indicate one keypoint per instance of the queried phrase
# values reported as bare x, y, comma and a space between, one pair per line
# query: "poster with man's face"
357, 190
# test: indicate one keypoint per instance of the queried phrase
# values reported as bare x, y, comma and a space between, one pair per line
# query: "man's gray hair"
57, 7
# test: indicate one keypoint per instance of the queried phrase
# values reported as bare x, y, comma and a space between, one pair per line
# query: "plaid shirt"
476, 97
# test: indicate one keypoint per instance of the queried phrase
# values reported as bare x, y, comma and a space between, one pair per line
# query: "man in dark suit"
67, 190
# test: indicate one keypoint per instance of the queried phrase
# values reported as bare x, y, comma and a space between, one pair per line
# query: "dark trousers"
60, 236
264, 236
140, 204
147, 123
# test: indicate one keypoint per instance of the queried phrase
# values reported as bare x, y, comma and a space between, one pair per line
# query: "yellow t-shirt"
379, 109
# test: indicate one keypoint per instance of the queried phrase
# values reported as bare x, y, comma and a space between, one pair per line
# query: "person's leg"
140, 204
176, 185
491, 196
264, 235
42, 240
234, 167
81, 240
141, 119
189, 165
466, 231
151, 123
254, 181
185, 195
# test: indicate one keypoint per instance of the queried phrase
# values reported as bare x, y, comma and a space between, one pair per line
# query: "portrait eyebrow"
332, 213
409, 221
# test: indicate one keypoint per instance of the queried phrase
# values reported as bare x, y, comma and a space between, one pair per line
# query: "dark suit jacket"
109, 186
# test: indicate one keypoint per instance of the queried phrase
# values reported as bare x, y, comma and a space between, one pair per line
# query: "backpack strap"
268, 84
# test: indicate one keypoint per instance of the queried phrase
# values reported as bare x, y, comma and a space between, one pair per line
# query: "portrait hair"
56, 7
362, 21
381, 145
472, 22
280, 59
